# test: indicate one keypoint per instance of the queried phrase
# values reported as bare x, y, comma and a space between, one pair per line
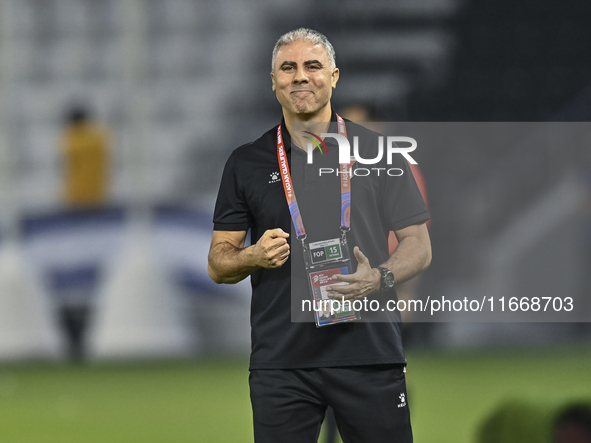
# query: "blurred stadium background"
110, 329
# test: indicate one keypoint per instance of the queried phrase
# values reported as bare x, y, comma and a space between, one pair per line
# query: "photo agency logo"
345, 157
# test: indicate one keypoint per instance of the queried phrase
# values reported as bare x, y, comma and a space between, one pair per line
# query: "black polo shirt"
251, 196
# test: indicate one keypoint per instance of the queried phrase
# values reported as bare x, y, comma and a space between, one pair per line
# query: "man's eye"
287, 68
314, 67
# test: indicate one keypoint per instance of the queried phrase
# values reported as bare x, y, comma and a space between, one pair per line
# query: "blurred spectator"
85, 147
85, 150
364, 113
517, 421
360, 113
573, 425
522, 421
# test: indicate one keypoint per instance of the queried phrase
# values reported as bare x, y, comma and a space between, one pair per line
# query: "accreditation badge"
324, 259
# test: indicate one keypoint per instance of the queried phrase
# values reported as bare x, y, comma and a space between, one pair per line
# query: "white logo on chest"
274, 177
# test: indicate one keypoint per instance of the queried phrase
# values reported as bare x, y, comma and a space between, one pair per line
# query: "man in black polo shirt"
296, 368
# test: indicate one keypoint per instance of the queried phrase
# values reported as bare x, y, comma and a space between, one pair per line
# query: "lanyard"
292, 202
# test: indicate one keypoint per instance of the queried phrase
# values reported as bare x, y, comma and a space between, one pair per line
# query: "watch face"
387, 278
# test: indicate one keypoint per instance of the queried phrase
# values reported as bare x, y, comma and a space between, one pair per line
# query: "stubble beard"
305, 107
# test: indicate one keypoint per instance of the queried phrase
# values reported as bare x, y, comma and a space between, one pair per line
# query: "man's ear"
334, 78
273, 80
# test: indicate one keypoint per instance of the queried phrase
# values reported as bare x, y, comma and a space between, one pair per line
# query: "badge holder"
324, 259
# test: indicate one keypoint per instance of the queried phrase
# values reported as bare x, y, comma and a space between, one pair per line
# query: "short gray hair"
309, 35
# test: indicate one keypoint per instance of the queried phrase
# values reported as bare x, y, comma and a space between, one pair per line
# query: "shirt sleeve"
231, 209
402, 200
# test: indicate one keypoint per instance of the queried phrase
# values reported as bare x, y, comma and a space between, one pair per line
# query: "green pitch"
449, 396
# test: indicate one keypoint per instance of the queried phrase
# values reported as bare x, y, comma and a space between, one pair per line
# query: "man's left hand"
362, 283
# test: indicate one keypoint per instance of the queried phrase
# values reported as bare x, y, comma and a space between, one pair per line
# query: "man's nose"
300, 75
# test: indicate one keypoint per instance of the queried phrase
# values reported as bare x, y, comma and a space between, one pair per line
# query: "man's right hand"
272, 249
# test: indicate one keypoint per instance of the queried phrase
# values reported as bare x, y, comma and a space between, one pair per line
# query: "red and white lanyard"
292, 202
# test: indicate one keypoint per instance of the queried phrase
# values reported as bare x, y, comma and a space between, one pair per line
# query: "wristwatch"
387, 280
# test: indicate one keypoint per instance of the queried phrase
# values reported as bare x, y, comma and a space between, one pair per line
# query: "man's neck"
315, 123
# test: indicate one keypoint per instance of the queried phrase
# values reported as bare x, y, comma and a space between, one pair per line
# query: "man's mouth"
301, 92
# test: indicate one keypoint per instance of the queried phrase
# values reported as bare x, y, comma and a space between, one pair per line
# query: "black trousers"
369, 403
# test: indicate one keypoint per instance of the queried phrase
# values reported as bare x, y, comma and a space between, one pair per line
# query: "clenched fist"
272, 249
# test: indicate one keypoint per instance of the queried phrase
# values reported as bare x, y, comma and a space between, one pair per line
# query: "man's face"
303, 79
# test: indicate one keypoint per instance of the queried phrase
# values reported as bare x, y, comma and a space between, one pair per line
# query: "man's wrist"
386, 278
253, 256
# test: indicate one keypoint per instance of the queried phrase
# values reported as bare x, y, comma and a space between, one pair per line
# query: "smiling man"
298, 369
303, 79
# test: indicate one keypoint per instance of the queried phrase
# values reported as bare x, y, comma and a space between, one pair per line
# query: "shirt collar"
287, 136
